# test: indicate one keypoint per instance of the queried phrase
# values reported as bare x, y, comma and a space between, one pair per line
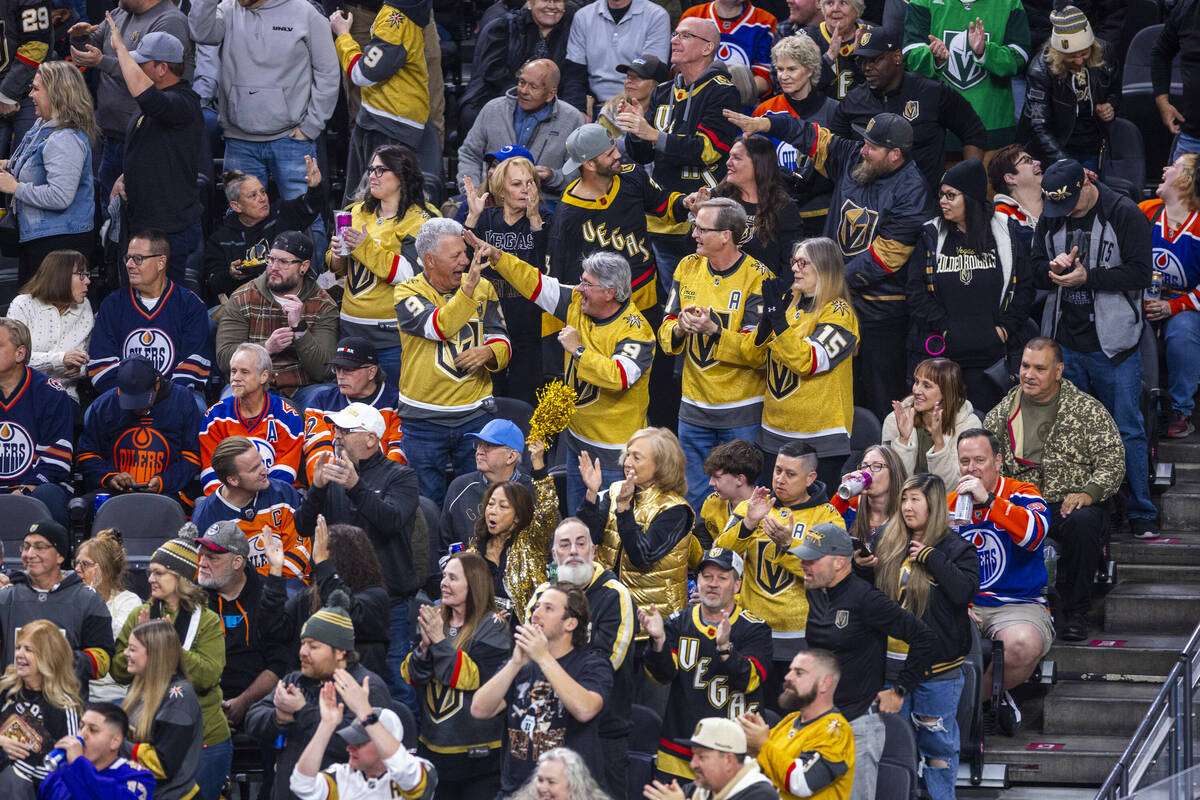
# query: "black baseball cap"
135, 383
298, 244
354, 352
887, 130
646, 66
1062, 183
875, 40
724, 558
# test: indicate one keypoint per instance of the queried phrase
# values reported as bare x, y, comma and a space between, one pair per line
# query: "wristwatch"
900, 691
300, 327
369, 719
579, 351
991, 498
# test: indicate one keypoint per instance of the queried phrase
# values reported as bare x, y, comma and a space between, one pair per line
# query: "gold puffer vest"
665, 583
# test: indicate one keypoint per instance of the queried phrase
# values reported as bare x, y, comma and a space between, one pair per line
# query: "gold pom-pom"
556, 404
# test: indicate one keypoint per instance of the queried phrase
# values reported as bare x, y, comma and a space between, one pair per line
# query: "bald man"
530, 115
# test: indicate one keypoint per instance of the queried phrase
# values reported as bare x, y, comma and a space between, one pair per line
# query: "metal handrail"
1169, 719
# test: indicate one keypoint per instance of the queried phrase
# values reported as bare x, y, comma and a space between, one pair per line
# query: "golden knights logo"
442, 702
585, 393
912, 110
781, 381
856, 229
702, 348
470, 335
963, 69
774, 578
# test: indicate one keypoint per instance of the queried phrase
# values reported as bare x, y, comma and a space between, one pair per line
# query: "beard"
791, 701
285, 286
575, 574
865, 173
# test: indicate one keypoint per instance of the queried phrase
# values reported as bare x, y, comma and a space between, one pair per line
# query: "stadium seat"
643, 748
1126, 156
144, 520
898, 764
1137, 100
970, 710
867, 431
19, 512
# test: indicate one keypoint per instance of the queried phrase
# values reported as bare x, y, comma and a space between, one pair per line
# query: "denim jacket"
49, 201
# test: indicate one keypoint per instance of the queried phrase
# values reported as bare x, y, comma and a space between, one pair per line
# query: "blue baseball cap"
511, 151
503, 432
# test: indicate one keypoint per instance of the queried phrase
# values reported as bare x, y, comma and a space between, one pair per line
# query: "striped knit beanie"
181, 555
331, 625
1071, 31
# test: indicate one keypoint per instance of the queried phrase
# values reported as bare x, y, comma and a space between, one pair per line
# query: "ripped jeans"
937, 739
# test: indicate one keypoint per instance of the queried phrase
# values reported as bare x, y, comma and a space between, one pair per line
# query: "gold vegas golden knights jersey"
611, 378
717, 393
434, 329
773, 582
798, 755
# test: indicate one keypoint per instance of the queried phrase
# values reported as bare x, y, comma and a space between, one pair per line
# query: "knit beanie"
55, 534
1070, 30
331, 625
970, 178
181, 555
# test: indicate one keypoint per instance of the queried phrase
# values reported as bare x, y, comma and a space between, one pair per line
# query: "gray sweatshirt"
279, 68
115, 106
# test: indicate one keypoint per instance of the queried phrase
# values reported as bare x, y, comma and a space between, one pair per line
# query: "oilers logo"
265, 450
16, 450
993, 556
1168, 264
152, 344
733, 53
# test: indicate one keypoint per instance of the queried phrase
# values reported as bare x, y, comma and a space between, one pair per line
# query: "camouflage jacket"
1081, 453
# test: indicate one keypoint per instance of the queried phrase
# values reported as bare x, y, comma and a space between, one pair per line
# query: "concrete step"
1180, 451
1179, 506
1173, 546
1027, 792
1119, 655
1149, 573
1153, 607
1096, 708
1035, 758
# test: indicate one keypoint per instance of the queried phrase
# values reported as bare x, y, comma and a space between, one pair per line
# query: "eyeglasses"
82, 274
81, 563
949, 195
875, 468
138, 259
589, 285
686, 35
1025, 158
800, 261
273, 260
701, 228
39, 547
156, 573
377, 172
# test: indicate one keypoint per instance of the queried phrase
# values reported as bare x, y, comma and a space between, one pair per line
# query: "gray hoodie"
279, 69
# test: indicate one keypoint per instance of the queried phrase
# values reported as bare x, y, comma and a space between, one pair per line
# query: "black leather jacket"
1050, 107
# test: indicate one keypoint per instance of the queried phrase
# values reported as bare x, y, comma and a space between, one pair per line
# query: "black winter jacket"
1050, 108
953, 564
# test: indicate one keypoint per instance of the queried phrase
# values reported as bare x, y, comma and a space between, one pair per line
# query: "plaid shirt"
251, 315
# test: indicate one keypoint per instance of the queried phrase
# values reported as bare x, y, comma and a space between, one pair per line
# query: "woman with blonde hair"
923, 428
177, 599
53, 305
463, 642
166, 726
516, 225
41, 698
934, 574
806, 336
100, 563
643, 523
50, 172
513, 533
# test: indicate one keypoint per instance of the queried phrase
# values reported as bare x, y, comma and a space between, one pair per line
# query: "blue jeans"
109, 167
399, 646
56, 498
1182, 333
302, 399
1185, 144
428, 446
280, 160
575, 487
389, 362
1119, 389
215, 761
696, 443
937, 739
187, 253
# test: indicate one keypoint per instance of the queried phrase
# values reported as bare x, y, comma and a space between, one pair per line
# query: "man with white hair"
453, 337
265, 419
607, 349
613, 626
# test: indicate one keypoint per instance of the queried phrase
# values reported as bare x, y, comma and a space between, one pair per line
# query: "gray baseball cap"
159, 46
585, 143
225, 537
826, 539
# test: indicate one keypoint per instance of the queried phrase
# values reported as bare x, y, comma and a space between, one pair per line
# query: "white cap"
359, 417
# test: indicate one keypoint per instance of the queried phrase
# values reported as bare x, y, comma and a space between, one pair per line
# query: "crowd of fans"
739, 234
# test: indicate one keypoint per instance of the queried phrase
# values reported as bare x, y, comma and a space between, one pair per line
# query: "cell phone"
863, 548
140, 487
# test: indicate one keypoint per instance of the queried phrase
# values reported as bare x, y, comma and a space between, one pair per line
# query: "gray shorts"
993, 619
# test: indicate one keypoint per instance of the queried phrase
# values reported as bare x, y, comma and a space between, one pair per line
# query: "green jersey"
985, 81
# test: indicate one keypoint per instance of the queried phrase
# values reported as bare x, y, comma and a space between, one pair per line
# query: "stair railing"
1166, 726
